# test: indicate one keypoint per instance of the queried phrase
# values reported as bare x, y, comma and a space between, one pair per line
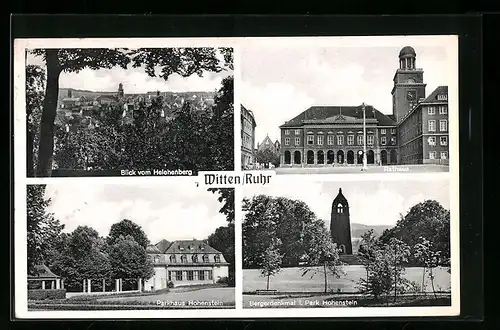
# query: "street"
425, 168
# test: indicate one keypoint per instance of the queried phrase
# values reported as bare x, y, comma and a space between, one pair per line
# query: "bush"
222, 280
39, 294
170, 284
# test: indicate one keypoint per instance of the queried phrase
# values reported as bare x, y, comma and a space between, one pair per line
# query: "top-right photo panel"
350, 104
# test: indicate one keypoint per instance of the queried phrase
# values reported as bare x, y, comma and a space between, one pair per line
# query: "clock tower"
409, 84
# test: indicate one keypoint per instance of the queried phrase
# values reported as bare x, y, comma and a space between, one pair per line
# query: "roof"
250, 113
407, 51
71, 99
190, 246
43, 272
100, 97
163, 245
326, 114
340, 199
432, 98
152, 249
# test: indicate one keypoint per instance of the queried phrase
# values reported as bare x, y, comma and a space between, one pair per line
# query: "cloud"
163, 211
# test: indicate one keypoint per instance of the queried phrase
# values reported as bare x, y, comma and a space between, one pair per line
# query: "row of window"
184, 259
432, 155
191, 275
382, 131
443, 140
443, 125
443, 110
370, 139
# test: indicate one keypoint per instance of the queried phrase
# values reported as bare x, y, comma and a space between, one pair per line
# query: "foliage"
270, 260
35, 92
170, 284
129, 259
429, 259
39, 294
42, 228
126, 228
161, 62
223, 240
226, 196
428, 220
266, 156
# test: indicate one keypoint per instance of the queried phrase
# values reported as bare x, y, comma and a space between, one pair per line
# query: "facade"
186, 262
340, 225
270, 146
415, 133
247, 137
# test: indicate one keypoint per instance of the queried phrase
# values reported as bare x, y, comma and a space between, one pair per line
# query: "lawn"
290, 280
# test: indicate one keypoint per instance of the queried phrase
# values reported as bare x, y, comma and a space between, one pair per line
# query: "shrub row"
84, 297
39, 294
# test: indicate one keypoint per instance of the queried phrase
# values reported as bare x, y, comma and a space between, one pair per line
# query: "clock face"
411, 95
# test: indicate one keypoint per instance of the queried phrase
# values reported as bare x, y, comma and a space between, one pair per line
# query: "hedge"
39, 294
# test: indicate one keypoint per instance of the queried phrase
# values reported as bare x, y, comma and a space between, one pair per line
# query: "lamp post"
365, 167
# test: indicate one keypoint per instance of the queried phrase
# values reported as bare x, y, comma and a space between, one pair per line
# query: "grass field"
290, 280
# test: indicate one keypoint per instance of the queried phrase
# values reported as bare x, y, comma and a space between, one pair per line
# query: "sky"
279, 81
167, 211
134, 80
370, 202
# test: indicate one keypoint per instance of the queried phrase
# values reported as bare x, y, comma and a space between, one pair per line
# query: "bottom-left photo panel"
128, 247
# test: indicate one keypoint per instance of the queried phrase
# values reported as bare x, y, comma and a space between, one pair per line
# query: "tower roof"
340, 199
407, 51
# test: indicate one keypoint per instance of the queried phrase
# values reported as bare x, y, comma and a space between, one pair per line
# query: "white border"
20, 180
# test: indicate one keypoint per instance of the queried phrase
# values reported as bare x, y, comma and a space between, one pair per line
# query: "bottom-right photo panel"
373, 243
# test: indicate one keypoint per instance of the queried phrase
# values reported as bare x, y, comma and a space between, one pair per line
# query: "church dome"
407, 51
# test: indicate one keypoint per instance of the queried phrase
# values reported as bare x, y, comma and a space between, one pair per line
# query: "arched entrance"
359, 157
296, 157
370, 157
394, 156
340, 157
330, 157
350, 157
288, 157
320, 157
310, 157
383, 157
342, 248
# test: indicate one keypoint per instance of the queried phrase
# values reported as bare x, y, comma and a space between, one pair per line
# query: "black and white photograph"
349, 104
129, 247
329, 244
129, 112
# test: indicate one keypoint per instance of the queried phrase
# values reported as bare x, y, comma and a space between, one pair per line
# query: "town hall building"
185, 262
415, 133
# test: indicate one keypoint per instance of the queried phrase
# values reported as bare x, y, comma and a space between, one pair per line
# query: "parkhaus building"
415, 133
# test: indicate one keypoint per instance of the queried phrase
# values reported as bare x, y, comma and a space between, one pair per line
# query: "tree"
182, 61
379, 278
226, 197
398, 253
367, 249
270, 261
427, 219
35, 88
322, 256
42, 228
223, 240
266, 156
126, 228
429, 259
129, 260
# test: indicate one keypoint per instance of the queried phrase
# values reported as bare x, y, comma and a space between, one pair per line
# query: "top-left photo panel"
134, 111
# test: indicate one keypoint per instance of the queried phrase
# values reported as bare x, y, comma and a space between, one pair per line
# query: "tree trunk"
326, 279
46, 147
432, 282
423, 281
268, 282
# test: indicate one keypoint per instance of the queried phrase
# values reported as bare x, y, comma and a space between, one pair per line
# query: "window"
350, 140
287, 132
432, 140
178, 275
442, 97
217, 258
382, 131
431, 111
443, 110
205, 258
201, 275
393, 131
320, 140
340, 140
195, 258
330, 140
432, 125
444, 155
370, 139
173, 259
339, 208
297, 141
432, 155
443, 125
210, 275
183, 259
393, 140
360, 140
297, 132
190, 275
169, 275
443, 140
287, 141
310, 139
383, 140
